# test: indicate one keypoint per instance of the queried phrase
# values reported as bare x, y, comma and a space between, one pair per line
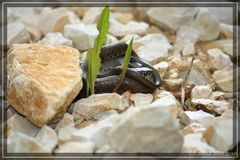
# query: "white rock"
226, 45
43, 80
47, 137
146, 135
34, 32
120, 30
162, 68
195, 143
97, 103
97, 133
224, 80
207, 25
55, 39
217, 59
91, 15
17, 123
224, 14
82, 36
171, 17
21, 143
104, 115
226, 30
105, 149
216, 95
27, 15
10, 111
128, 38
220, 133
199, 116
168, 102
111, 39
162, 93
189, 49
66, 120
194, 128
140, 99
17, 33
65, 134
76, 147
186, 36
152, 47
54, 20
201, 92
216, 107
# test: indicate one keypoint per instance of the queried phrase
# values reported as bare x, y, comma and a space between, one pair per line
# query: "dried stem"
184, 83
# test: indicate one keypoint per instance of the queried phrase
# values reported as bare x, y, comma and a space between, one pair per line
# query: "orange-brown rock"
43, 80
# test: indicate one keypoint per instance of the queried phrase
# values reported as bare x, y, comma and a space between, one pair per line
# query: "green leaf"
126, 61
93, 58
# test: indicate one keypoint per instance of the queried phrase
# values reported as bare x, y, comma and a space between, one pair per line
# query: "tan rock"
224, 80
76, 147
43, 80
54, 20
66, 120
21, 143
141, 99
124, 18
97, 103
172, 84
47, 137
80, 11
226, 30
17, 123
220, 133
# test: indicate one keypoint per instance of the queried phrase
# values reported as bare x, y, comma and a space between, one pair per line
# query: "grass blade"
126, 61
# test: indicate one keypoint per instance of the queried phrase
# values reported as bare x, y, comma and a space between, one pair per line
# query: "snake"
140, 76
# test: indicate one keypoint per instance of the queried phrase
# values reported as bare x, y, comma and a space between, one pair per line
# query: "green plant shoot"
93, 56
126, 61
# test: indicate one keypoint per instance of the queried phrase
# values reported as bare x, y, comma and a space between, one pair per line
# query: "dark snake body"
140, 77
